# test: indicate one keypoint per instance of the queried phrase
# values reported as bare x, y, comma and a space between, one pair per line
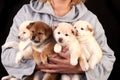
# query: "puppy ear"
74, 32
90, 28
54, 26
72, 23
30, 25
48, 30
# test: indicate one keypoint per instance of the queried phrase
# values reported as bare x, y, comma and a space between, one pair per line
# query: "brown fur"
42, 43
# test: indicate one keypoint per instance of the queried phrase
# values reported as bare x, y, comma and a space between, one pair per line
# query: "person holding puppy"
53, 12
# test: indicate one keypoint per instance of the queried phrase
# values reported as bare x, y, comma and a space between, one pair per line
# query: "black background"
107, 11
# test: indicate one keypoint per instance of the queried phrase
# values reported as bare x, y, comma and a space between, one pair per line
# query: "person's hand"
60, 64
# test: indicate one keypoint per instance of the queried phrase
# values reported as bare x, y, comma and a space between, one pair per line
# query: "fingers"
63, 55
47, 66
50, 71
54, 70
65, 49
53, 66
61, 69
59, 61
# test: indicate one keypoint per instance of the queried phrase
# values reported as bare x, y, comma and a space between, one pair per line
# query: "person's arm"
9, 54
104, 68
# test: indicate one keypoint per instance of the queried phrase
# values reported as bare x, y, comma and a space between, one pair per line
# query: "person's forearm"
16, 70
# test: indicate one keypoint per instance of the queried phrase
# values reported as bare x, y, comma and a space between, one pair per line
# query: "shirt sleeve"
8, 53
104, 68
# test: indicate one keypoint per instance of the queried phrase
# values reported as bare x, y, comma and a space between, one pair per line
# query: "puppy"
65, 36
25, 50
90, 47
42, 44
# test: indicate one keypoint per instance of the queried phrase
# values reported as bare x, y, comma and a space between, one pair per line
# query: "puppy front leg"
44, 58
75, 77
74, 59
94, 59
83, 63
38, 75
65, 77
19, 57
36, 57
57, 48
51, 76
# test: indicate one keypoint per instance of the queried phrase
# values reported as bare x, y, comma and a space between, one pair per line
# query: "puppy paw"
43, 59
73, 61
75, 77
18, 58
65, 77
57, 48
91, 66
84, 66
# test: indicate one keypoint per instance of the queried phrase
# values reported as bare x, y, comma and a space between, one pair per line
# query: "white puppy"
90, 47
25, 50
65, 36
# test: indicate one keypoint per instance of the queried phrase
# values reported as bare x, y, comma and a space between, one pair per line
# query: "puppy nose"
18, 37
33, 37
60, 40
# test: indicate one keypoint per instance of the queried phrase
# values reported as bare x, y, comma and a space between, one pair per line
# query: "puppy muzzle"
60, 40
35, 41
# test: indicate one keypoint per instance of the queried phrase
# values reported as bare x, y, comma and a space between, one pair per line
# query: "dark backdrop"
108, 12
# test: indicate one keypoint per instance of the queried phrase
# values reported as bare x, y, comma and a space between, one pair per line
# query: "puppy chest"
23, 45
40, 49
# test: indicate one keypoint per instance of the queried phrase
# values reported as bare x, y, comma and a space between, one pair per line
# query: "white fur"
57, 48
66, 33
24, 36
90, 47
67, 40
9, 78
70, 77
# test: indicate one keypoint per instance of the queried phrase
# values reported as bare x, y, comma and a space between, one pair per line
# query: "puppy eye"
75, 27
82, 28
40, 33
58, 32
32, 31
66, 34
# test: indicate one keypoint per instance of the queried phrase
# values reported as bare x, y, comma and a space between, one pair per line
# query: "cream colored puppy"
90, 47
25, 50
65, 36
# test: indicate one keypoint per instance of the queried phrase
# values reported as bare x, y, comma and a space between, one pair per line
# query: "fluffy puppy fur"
43, 45
25, 50
65, 36
90, 47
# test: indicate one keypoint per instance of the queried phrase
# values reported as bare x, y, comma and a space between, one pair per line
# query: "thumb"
64, 49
